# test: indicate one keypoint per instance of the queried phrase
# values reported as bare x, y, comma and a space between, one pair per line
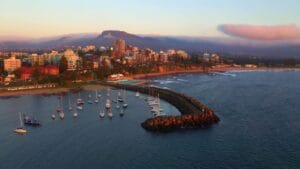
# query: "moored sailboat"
101, 112
70, 106
21, 129
121, 112
90, 99
61, 113
96, 97
125, 104
110, 114
75, 114
53, 116
108, 104
79, 100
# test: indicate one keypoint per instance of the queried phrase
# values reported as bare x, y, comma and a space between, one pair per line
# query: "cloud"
264, 33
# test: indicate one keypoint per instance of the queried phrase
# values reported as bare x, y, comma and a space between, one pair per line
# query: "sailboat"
108, 93
90, 99
61, 113
70, 106
79, 107
96, 97
101, 112
75, 114
79, 100
125, 105
53, 117
110, 114
117, 104
156, 110
108, 104
137, 94
121, 112
58, 108
99, 95
21, 129
119, 97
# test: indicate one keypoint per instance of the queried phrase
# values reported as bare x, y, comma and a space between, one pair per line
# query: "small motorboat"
30, 121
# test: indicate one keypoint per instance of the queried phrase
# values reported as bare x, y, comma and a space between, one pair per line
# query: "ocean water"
259, 128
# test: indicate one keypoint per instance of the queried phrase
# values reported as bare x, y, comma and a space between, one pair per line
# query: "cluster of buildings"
133, 55
49, 63
46, 63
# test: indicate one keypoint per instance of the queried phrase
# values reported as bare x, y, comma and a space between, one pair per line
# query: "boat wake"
182, 80
163, 82
226, 74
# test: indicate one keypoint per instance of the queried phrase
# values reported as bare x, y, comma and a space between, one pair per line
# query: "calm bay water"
259, 128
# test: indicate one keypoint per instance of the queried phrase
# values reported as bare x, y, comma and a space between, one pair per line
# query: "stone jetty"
194, 114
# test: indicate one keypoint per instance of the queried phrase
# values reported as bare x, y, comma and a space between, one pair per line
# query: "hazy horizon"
247, 19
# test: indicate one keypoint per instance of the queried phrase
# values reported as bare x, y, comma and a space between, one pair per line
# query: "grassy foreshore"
49, 91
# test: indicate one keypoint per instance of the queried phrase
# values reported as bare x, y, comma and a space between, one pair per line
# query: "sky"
43, 18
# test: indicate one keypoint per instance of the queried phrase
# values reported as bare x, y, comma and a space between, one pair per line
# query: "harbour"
240, 138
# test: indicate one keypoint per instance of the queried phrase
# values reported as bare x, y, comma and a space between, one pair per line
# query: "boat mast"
21, 121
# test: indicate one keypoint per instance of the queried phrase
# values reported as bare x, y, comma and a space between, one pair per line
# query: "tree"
17, 73
63, 65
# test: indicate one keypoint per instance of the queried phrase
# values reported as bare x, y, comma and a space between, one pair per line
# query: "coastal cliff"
194, 114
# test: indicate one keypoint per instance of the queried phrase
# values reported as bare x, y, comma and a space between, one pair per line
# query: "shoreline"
210, 70
59, 90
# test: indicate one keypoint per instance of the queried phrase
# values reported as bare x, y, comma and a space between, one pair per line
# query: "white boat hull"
20, 131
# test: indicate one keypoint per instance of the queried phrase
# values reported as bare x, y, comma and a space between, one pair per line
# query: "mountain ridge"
190, 44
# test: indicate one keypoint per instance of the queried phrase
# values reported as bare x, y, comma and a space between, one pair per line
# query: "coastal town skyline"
171, 18
139, 84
